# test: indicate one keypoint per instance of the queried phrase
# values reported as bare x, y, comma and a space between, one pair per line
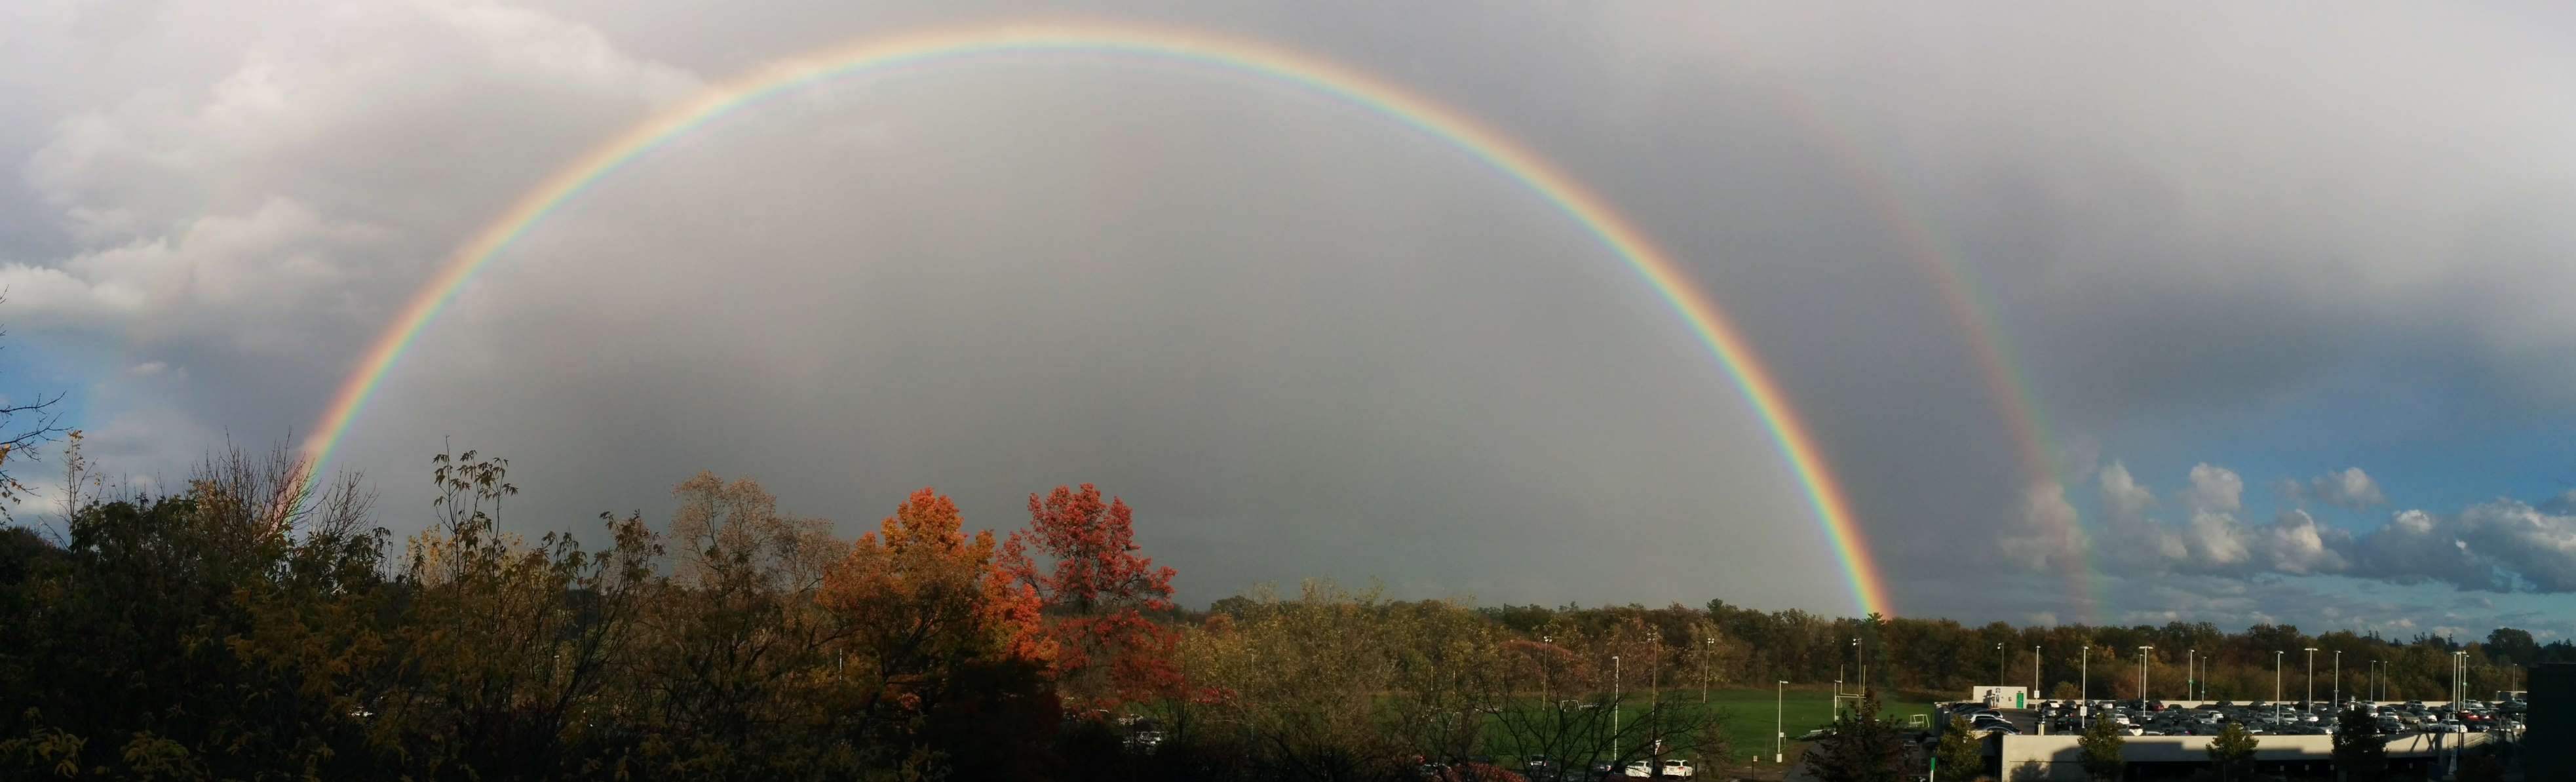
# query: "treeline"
254, 626
1946, 657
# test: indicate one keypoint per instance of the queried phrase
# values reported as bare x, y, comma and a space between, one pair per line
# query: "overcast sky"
2288, 285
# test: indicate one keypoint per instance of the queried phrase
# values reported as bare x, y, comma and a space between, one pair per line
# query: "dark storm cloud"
1302, 342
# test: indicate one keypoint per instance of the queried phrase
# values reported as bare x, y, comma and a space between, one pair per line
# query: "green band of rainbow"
1760, 389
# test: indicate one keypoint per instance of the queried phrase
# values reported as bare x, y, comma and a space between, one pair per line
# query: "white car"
1641, 769
1680, 769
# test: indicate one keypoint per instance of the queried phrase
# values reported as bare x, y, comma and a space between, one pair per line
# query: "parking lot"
2205, 718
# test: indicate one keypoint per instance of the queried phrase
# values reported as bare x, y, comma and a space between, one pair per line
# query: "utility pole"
2276, 685
2084, 687
2034, 672
1613, 749
2191, 676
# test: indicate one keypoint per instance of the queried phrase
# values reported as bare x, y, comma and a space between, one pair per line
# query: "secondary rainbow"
1734, 354
2007, 385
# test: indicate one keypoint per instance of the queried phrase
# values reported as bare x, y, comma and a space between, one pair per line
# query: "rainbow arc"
1759, 386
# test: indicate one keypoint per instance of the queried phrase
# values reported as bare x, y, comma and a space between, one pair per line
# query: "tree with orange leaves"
1097, 595
945, 648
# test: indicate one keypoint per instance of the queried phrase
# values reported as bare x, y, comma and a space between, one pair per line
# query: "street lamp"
1999, 665
1614, 705
2142, 675
1779, 725
2191, 675
2084, 687
2309, 700
2338, 687
1545, 691
2034, 672
2276, 685
1706, 652
1860, 661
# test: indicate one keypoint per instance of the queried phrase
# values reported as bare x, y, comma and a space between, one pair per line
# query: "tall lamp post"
1999, 665
2034, 672
2084, 687
2338, 686
2191, 676
2142, 675
1860, 660
1706, 652
1614, 706
2309, 700
1655, 666
1779, 724
2276, 685
1544, 689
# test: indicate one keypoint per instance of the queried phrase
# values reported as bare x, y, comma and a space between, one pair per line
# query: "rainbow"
1970, 312
1797, 445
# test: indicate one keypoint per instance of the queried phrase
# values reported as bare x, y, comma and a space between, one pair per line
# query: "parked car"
1680, 769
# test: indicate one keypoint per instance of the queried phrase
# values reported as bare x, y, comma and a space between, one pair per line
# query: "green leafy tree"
2232, 752
2100, 750
2360, 752
1860, 747
1961, 756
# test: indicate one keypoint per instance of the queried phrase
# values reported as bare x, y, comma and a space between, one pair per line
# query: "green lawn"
1750, 715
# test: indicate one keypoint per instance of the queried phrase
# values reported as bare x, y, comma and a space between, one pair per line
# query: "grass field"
1750, 715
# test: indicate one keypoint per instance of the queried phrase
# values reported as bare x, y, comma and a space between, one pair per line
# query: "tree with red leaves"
945, 648
1097, 596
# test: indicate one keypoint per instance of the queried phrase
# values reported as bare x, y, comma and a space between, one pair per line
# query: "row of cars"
1541, 768
2154, 718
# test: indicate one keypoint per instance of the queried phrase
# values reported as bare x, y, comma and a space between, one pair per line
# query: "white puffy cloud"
2052, 536
2498, 546
2213, 489
2345, 488
2122, 497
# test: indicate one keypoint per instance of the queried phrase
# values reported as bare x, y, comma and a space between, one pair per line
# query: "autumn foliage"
923, 601
1098, 594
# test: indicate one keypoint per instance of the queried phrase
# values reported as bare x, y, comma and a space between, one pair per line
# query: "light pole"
1999, 665
2084, 687
2142, 675
2034, 672
1779, 725
2338, 687
1655, 667
1544, 690
2276, 685
1706, 652
1614, 706
2191, 675
2309, 700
